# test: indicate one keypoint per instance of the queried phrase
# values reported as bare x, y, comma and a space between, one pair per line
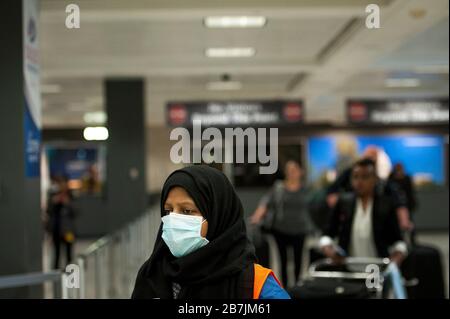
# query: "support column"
20, 224
126, 187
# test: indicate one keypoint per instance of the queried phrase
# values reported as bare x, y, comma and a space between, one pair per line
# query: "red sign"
177, 114
357, 112
292, 112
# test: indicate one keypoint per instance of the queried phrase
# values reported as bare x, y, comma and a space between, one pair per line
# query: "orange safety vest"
261, 275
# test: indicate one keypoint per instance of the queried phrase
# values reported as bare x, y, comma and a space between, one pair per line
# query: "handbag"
274, 208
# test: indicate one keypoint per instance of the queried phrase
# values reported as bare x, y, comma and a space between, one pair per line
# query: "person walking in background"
343, 184
60, 219
364, 221
403, 182
90, 181
284, 212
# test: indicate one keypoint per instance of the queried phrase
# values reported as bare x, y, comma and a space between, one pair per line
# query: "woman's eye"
188, 211
167, 211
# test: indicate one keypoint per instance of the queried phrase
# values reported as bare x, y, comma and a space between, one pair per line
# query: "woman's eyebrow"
187, 202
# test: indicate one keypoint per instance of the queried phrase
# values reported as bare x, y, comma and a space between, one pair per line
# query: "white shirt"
362, 243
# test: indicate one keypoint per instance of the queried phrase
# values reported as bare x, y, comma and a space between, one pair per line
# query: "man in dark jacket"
400, 179
398, 197
364, 222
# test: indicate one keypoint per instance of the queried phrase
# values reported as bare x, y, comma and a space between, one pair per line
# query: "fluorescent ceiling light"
95, 118
402, 83
230, 52
224, 86
235, 21
99, 133
50, 88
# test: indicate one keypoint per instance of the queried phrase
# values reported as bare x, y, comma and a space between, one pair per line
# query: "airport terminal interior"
101, 100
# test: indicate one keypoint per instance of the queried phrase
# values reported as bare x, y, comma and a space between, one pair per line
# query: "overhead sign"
423, 111
32, 120
235, 113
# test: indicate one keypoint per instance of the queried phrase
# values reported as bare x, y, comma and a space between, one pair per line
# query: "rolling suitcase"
329, 288
347, 280
423, 267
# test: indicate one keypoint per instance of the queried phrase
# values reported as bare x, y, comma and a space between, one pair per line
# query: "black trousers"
283, 242
57, 242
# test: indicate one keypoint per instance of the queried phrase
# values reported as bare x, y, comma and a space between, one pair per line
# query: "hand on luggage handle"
407, 237
413, 282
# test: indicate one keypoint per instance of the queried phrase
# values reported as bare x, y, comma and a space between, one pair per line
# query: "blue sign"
32, 145
31, 74
422, 155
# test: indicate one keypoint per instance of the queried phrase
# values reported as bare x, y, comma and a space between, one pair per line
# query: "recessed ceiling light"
402, 83
224, 85
96, 133
230, 52
235, 21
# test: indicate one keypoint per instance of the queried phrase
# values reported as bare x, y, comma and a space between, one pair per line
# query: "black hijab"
219, 269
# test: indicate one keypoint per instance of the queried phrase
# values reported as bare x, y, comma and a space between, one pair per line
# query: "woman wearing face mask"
202, 250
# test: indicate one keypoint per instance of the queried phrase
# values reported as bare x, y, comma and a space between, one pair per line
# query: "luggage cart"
354, 278
364, 271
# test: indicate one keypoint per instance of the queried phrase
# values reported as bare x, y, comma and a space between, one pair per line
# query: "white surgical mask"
182, 233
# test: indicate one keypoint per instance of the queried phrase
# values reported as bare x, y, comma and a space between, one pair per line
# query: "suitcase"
347, 280
424, 267
329, 288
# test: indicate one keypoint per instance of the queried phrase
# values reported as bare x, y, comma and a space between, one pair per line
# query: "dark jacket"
406, 186
385, 227
61, 217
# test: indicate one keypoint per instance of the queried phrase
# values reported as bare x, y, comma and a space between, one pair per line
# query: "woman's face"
178, 201
293, 171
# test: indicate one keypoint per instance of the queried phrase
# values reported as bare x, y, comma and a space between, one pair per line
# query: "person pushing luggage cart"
364, 222
366, 228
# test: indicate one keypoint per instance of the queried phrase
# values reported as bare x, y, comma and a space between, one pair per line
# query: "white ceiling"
316, 50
